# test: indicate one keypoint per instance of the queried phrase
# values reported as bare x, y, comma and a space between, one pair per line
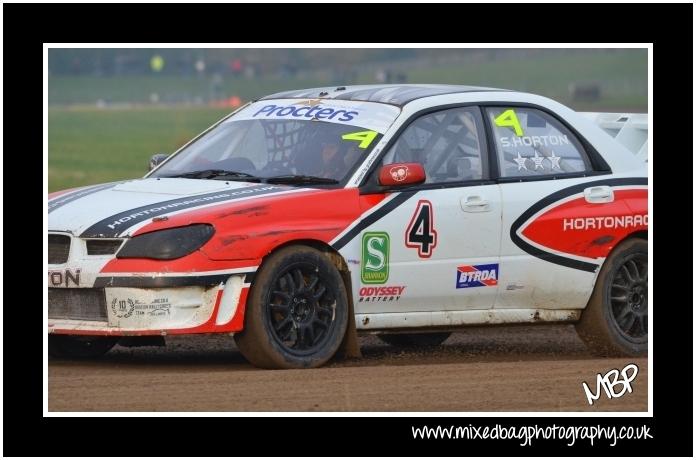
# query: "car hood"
120, 208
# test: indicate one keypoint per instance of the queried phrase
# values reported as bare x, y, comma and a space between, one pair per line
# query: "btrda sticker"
469, 276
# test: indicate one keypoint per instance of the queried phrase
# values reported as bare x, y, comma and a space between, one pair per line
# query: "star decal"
555, 161
537, 161
520, 162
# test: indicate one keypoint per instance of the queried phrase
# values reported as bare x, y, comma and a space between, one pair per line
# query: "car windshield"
285, 140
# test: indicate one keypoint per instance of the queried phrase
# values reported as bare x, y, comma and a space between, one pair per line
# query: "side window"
532, 143
449, 144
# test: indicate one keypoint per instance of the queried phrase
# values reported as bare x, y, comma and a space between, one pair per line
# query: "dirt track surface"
538, 368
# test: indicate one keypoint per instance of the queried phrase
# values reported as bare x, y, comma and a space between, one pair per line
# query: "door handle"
475, 203
599, 194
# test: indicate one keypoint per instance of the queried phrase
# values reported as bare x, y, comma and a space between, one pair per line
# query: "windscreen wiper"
221, 174
300, 179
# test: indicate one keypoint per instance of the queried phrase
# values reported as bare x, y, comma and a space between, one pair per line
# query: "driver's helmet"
320, 157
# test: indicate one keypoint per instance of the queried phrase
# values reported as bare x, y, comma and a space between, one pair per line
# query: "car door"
437, 249
546, 180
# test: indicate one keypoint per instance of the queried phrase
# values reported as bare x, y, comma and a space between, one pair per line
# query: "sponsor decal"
564, 234
64, 277
114, 225
381, 293
469, 276
122, 308
375, 258
125, 308
606, 222
369, 116
307, 111
399, 173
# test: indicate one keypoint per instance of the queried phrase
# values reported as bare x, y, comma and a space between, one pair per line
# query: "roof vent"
323, 93
341, 88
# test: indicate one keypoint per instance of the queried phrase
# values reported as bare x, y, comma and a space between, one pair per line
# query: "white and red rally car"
309, 216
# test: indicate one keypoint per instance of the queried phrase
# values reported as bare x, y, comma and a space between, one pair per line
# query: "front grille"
58, 249
75, 303
102, 247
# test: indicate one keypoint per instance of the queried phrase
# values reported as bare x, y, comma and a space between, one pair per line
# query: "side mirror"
397, 174
156, 159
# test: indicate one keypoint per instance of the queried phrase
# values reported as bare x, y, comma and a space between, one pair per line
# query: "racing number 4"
421, 233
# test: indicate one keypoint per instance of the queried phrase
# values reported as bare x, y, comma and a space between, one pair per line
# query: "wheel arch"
640, 235
334, 256
350, 347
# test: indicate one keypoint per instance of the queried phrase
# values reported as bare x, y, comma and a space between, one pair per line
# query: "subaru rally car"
307, 217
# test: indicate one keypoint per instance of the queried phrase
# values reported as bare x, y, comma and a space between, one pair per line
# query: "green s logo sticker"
374, 268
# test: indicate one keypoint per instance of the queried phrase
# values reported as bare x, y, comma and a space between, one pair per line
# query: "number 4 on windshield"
364, 137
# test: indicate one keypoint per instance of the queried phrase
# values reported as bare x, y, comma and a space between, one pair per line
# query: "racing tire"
432, 339
615, 321
79, 347
297, 311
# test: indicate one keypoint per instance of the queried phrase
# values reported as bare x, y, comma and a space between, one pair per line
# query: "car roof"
395, 94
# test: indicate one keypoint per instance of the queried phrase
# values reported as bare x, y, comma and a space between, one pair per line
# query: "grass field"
622, 75
89, 146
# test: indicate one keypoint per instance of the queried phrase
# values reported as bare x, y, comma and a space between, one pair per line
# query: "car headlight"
171, 243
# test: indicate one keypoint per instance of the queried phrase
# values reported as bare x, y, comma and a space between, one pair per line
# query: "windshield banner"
371, 115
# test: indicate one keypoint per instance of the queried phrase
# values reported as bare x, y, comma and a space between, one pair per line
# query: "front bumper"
152, 311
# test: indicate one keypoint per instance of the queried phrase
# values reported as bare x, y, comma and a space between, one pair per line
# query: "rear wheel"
79, 347
297, 311
432, 339
615, 322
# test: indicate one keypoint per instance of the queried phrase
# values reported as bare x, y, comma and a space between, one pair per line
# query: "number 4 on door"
421, 233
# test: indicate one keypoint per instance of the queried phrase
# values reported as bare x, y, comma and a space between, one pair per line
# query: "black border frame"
28, 433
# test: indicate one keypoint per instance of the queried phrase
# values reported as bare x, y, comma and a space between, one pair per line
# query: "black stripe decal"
114, 225
372, 218
559, 195
164, 281
72, 196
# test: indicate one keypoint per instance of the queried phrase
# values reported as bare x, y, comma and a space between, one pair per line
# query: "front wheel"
615, 322
79, 347
297, 312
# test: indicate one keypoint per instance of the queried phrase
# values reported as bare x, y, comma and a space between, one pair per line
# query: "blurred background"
110, 110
